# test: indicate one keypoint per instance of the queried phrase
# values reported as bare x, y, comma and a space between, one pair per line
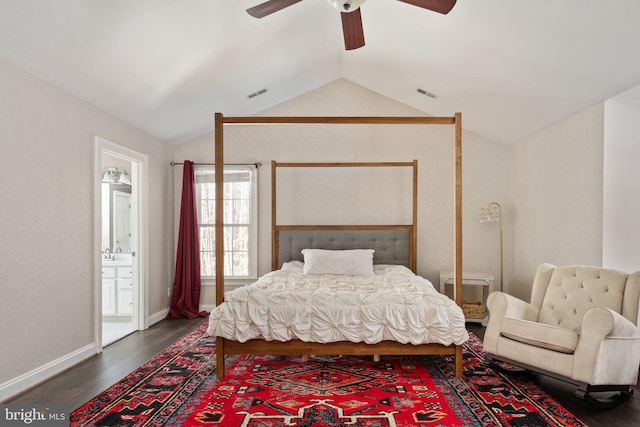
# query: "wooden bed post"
274, 233
414, 220
218, 181
458, 227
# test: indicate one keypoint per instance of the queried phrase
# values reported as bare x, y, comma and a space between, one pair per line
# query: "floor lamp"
493, 213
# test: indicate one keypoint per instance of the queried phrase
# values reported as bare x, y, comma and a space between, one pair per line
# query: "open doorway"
120, 208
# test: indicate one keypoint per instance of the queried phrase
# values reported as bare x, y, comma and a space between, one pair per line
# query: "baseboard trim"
207, 307
162, 314
32, 378
157, 317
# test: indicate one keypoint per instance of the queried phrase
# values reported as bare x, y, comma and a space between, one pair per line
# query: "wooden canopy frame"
224, 346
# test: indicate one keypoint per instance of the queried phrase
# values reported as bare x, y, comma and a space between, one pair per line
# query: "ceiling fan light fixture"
346, 6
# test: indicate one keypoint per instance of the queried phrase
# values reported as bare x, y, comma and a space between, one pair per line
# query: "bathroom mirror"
116, 208
116, 229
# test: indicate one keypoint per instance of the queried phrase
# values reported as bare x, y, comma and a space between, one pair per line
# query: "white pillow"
352, 262
291, 265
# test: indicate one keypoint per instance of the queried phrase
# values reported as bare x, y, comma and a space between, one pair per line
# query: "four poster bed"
367, 271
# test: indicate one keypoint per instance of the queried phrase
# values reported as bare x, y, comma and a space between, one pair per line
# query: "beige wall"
556, 197
47, 220
485, 169
621, 229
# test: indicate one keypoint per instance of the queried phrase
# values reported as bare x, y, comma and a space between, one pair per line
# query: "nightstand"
485, 280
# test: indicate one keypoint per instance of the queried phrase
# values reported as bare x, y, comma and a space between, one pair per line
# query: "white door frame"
140, 232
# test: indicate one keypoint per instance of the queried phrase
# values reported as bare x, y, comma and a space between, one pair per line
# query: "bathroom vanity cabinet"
117, 290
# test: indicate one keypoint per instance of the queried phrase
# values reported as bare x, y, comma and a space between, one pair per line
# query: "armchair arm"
501, 305
608, 350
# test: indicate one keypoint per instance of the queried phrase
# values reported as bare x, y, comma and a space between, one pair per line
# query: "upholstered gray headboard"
392, 245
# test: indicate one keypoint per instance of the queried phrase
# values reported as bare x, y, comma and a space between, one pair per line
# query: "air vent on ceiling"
429, 94
254, 94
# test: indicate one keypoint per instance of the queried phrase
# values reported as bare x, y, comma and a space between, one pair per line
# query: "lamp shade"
346, 5
108, 177
491, 213
124, 178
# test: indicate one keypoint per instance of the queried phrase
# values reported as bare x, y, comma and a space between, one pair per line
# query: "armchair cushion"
540, 335
572, 290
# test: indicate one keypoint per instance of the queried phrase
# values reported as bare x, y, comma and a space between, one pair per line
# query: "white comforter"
393, 304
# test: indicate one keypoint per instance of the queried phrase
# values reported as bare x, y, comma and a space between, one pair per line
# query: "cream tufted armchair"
581, 327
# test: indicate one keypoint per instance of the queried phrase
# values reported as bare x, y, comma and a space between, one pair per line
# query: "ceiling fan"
350, 12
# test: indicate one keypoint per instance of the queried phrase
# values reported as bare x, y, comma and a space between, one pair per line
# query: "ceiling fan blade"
352, 29
440, 6
269, 7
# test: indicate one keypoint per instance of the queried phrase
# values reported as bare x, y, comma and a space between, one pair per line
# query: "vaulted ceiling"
512, 67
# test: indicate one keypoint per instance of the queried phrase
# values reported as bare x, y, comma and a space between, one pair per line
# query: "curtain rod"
257, 164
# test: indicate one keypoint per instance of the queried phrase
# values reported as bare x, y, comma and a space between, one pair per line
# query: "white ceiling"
512, 67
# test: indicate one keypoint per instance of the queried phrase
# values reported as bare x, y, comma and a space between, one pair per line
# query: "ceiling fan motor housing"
346, 5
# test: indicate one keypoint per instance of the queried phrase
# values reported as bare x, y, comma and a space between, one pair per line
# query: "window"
240, 221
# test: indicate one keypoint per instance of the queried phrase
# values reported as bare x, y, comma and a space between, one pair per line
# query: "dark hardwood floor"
84, 381
625, 415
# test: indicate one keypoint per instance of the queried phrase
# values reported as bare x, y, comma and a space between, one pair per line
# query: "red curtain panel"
185, 297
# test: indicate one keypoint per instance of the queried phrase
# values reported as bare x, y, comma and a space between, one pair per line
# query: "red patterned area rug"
179, 388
